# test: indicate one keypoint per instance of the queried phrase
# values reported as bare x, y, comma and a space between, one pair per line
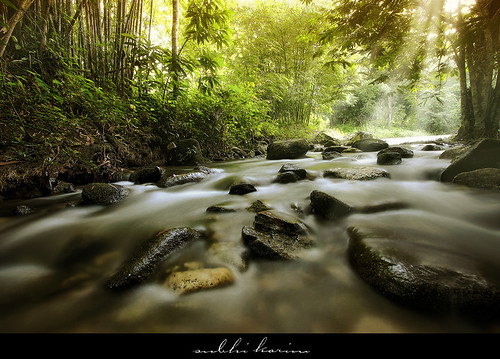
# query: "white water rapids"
319, 293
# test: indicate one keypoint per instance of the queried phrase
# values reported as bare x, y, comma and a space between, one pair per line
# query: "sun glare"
453, 5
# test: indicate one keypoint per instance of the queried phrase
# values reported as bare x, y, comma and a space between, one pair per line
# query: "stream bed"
41, 290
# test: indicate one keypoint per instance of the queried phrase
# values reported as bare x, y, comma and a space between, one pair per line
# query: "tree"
7, 30
384, 31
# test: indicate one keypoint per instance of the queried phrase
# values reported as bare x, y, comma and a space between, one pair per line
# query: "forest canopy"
236, 73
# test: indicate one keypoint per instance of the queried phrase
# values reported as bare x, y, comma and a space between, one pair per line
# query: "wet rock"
389, 158
357, 173
404, 152
290, 167
258, 206
352, 150
242, 188
23, 210
338, 149
421, 275
121, 175
484, 154
185, 153
370, 145
276, 236
453, 153
170, 180
330, 155
287, 149
189, 281
103, 193
329, 207
63, 187
432, 148
287, 177
220, 208
484, 178
148, 174
141, 267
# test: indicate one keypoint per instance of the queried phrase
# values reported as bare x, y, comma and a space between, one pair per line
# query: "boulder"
186, 153
358, 136
170, 180
389, 158
189, 281
421, 275
103, 193
484, 178
328, 207
276, 236
143, 264
330, 155
148, 174
287, 149
242, 189
357, 173
370, 145
432, 147
290, 173
404, 152
484, 154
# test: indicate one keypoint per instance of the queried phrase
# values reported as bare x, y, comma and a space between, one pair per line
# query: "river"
319, 293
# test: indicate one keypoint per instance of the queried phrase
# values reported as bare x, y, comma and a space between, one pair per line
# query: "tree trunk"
9, 28
175, 46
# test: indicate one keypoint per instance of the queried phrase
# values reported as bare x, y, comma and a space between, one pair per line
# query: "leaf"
8, 3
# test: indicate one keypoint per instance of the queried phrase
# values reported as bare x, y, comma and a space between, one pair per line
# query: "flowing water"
45, 289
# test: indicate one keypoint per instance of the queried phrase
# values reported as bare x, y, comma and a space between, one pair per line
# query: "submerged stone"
189, 281
242, 188
422, 276
357, 173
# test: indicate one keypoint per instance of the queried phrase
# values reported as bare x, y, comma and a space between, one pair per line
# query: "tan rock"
198, 279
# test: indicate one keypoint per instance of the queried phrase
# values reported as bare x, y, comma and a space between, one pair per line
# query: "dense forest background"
116, 82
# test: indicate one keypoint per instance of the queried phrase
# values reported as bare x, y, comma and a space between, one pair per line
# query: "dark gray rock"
242, 188
186, 153
142, 266
404, 152
484, 178
63, 187
330, 155
484, 154
290, 167
389, 158
370, 145
421, 275
432, 148
287, 149
148, 174
329, 207
103, 193
276, 236
287, 177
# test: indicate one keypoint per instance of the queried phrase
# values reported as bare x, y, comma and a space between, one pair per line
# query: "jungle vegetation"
235, 73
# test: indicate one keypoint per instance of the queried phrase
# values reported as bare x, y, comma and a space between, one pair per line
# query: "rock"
370, 145
389, 158
276, 236
185, 153
418, 274
484, 154
170, 180
141, 266
103, 193
242, 189
220, 208
404, 152
287, 149
287, 177
23, 210
338, 149
121, 175
329, 207
323, 139
357, 173
189, 281
485, 178
148, 174
359, 136
453, 153
63, 187
290, 167
258, 206
330, 155
432, 148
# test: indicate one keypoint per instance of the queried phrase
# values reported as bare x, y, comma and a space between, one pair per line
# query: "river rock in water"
148, 174
170, 180
242, 189
276, 236
329, 207
290, 173
103, 193
389, 158
357, 173
141, 266
404, 152
484, 154
287, 149
370, 145
188, 281
485, 178
421, 275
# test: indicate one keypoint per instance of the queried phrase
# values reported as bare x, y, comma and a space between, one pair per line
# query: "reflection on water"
47, 288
